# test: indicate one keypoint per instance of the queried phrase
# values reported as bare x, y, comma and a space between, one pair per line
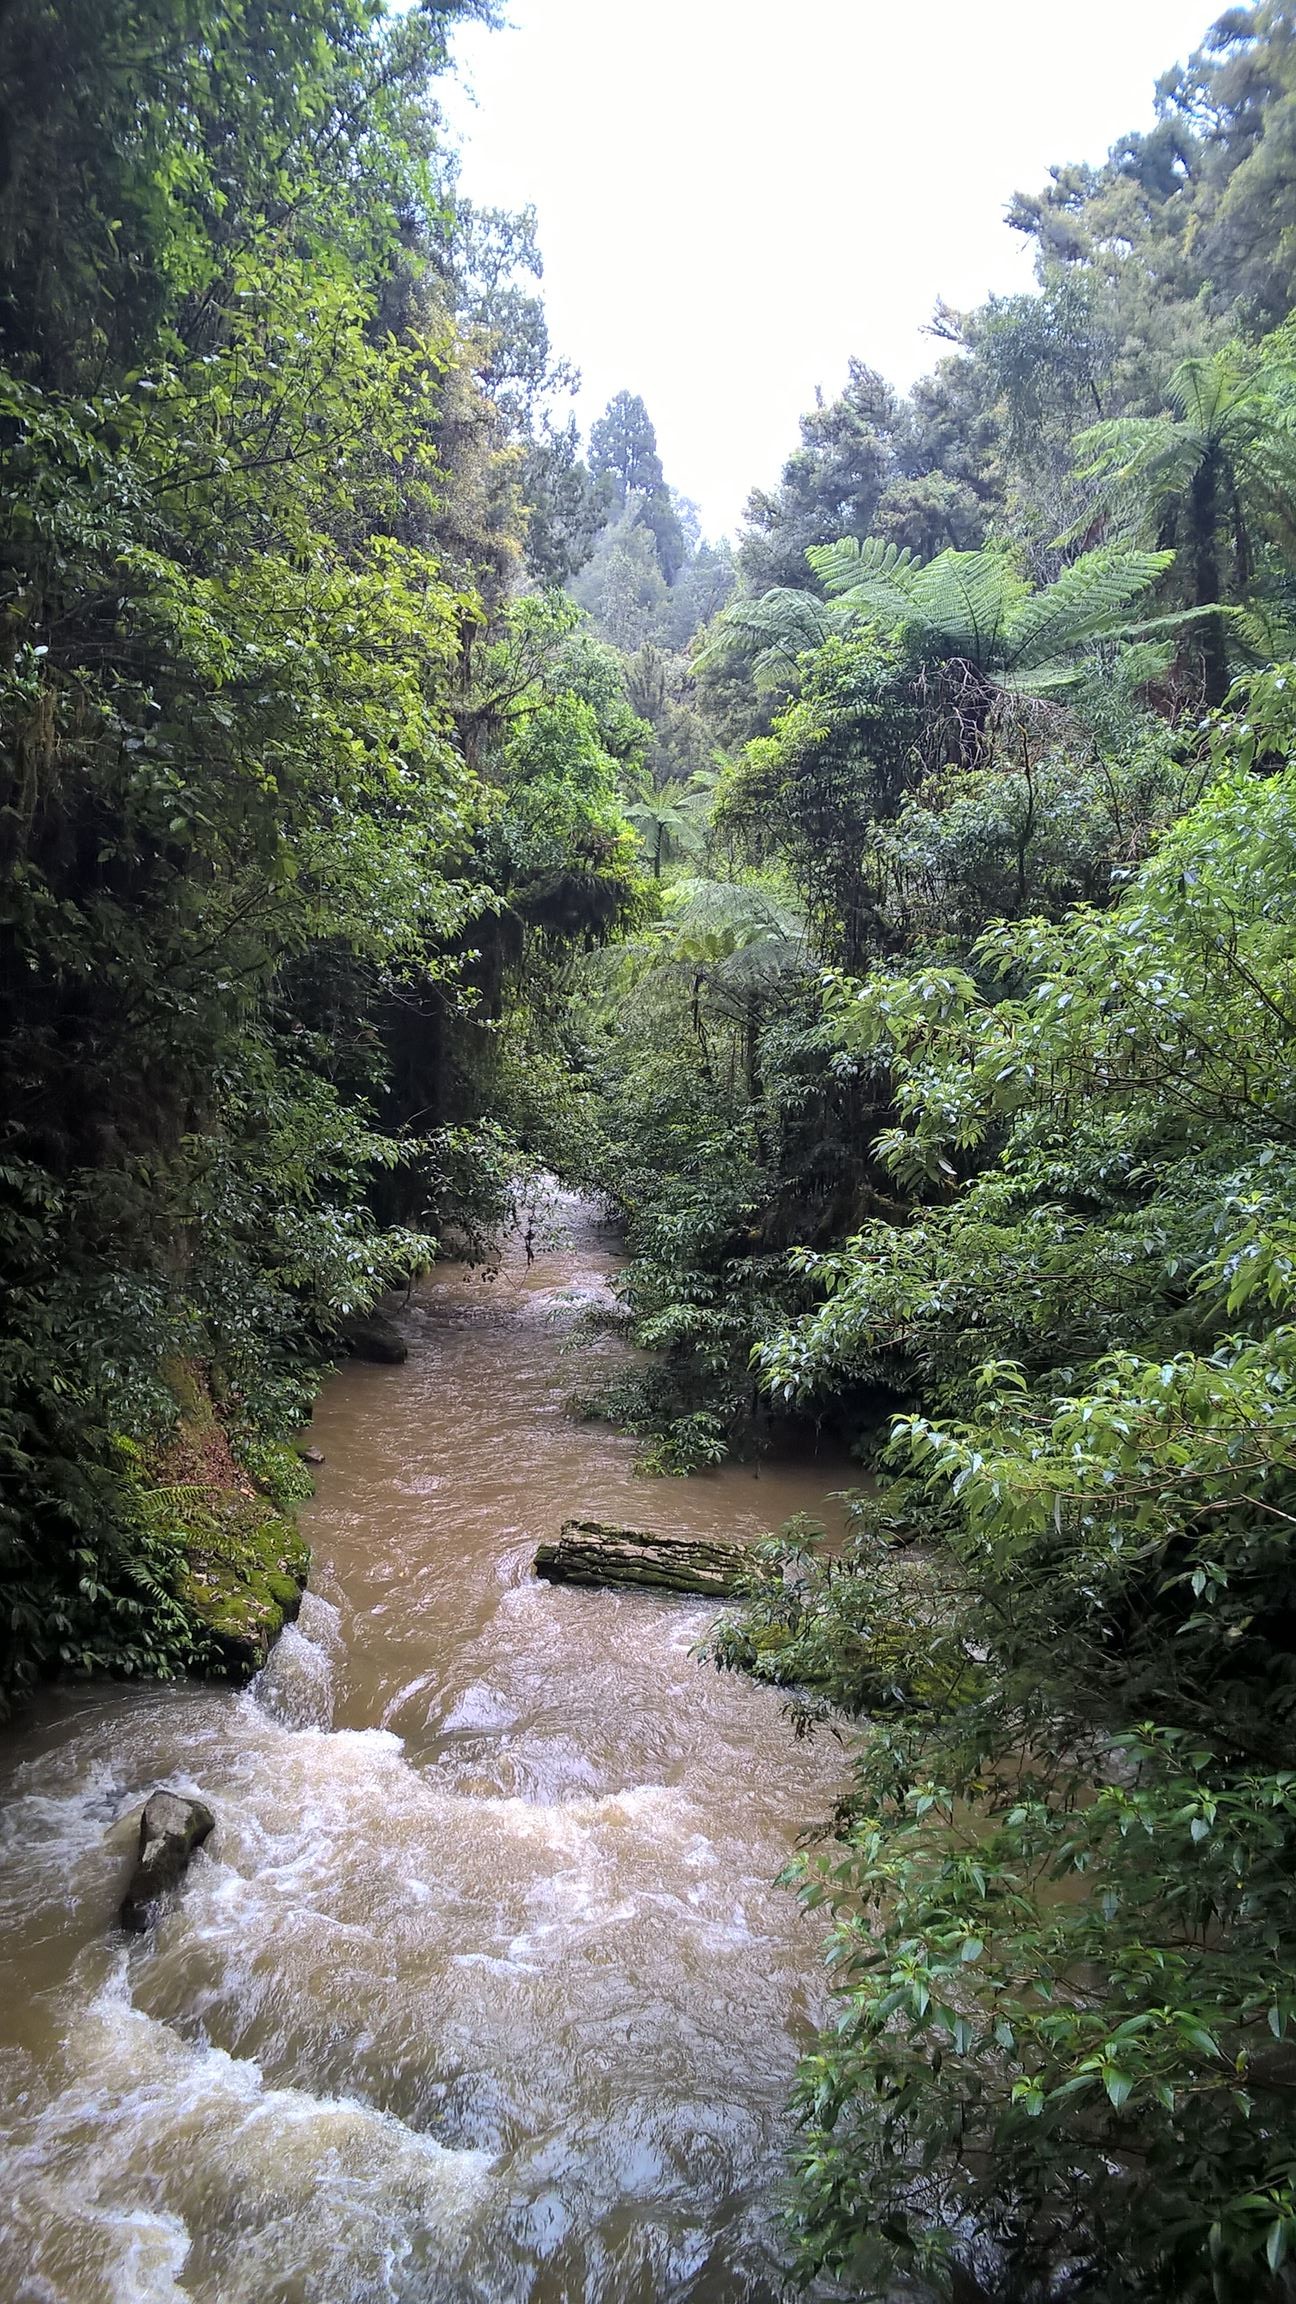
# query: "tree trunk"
590, 1552
1203, 512
751, 1048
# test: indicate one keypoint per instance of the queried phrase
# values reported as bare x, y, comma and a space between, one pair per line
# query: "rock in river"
171, 1827
375, 1338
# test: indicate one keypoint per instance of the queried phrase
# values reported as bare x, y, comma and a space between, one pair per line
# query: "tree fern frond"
764, 962
872, 579
1090, 600
1149, 456
968, 598
772, 631
725, 915
841, 566
1266, 630
1043, 680
743, 941
1205, 390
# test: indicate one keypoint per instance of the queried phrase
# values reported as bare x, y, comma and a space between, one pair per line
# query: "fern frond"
1090, 600
869, 579
967, 598
1205, 390
725, 915
1266, 631
771, 630
161, 1508
1148, 456
840, 566
1043, 681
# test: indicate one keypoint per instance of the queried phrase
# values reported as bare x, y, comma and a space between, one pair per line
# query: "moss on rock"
226, 1516
246, 1571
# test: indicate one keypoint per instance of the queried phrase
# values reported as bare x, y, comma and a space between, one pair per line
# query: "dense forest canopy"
890, 915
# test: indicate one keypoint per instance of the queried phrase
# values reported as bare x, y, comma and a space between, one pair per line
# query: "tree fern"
771, 632
974, 605
1088, 601
968, 600
671, 820
711, 919
1221, 461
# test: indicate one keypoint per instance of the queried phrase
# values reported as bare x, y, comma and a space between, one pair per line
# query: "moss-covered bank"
246, 1570
241, 1562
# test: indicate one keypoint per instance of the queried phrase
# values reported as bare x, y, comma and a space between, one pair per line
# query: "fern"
971, 606
872, 578
772, 632
159, 1507
968, 599
1087, 602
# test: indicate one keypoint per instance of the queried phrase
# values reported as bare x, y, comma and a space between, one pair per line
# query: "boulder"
591, 1552
375, 1338
171, 1827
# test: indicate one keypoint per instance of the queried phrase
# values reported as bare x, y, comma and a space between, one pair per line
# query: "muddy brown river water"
482, 1989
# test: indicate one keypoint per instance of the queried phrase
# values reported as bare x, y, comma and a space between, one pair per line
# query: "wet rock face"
376, 1338
244, 1563
247, 1568
171, 1827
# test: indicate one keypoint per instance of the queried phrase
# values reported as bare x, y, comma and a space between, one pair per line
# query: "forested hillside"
949, 1099
307, 798
890, 915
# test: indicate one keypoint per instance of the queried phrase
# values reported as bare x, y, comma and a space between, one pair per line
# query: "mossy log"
590, 1552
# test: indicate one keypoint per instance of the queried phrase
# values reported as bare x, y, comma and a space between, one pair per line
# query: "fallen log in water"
589, 1552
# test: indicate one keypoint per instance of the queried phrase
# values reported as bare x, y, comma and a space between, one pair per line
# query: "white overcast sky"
734, 196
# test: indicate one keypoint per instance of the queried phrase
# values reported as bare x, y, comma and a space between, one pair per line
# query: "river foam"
480, 1991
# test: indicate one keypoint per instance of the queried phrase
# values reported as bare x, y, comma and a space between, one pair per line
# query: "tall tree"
1216, 468
831, 485
623, 444
623, 452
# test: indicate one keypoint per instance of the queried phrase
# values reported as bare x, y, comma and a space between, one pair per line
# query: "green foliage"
1201, 201
1022, 1097
972, 606
678, 1150
868, 1630
289, 812
858, 455
344, 884
1062, 1906
647, 574
1220, 468
570, 851
770, 633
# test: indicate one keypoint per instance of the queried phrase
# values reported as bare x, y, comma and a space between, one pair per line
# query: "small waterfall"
297, 1684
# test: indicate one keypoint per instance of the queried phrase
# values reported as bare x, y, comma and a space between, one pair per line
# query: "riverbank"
481, 1986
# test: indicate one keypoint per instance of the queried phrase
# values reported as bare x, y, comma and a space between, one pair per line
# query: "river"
481, 1989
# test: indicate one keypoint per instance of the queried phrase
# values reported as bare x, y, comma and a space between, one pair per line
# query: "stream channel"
481, 1990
